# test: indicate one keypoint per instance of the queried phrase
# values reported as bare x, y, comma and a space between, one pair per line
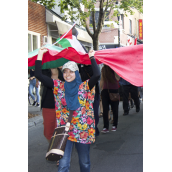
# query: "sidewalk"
37, 119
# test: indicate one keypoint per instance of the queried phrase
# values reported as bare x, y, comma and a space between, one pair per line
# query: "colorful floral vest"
82, 129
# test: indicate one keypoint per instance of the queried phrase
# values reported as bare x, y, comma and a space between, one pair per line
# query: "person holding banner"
127, 88
78, 96
48, 104
109, 84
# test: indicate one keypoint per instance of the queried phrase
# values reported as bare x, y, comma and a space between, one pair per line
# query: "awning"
63, 27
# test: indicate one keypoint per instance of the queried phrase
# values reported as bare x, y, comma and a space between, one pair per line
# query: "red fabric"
127, 62
69, 35
49, 117
135, 41
68, 53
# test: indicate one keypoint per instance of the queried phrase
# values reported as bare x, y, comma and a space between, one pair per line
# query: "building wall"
135, 18
107, 35
36, 19
135, 29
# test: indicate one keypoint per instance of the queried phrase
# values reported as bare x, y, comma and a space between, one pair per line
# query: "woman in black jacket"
48, 104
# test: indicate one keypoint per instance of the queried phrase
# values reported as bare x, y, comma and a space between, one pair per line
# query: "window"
130, 26
97, 17
29, 43
33, 41
45, 39
107, 14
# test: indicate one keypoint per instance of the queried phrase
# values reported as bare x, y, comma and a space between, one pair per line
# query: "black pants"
134, 95
96, 111
114, 105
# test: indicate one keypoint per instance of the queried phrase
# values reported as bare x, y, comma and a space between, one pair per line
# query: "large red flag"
127, 62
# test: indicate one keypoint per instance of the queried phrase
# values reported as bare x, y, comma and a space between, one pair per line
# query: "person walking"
32, 85
77, 96
48, 104
131, 101
126, 89
109, 81
140, 90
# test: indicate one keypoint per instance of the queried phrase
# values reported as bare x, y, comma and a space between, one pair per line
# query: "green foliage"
110, 25
126, 5
73, 7
89, 5
48, 3
90, 25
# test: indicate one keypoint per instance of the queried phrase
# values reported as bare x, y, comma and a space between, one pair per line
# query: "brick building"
37, 27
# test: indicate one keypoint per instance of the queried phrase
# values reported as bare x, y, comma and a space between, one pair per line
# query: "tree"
48, 3
105, 8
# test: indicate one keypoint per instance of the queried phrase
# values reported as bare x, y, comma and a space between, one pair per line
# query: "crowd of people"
85, 90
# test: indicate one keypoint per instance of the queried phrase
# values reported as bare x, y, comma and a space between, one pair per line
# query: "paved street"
120, 151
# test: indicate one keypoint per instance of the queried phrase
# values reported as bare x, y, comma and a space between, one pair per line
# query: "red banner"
127, 62
140, 29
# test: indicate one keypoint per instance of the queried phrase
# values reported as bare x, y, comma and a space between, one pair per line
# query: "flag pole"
64, 34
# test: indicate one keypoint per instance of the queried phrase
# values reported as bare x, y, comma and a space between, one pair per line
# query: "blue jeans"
31, 87
83, 153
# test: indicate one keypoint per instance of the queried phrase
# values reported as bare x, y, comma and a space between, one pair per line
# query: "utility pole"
118, 15
118, 30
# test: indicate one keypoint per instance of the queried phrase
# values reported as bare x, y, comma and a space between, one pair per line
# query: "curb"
35, 120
